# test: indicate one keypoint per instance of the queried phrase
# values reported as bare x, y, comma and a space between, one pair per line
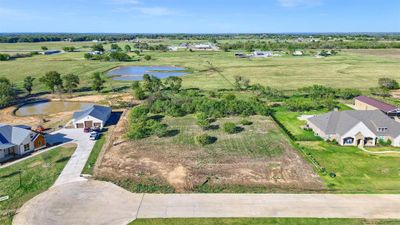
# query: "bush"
230, 128
382, 142
388, 83
246, 122
204, 139
147, 57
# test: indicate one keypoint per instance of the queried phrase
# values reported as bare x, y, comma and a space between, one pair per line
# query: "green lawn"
264, 221
38, 174
286, 72
356, 171
88, 169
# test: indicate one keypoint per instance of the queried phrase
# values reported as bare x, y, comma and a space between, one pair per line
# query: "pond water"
50, 107
137, 72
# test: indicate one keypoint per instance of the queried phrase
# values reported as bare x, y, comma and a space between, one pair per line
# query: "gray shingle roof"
100, 112
341, 122
10, 135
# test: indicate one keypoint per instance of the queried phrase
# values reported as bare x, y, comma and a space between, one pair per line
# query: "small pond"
137, 72
50, 107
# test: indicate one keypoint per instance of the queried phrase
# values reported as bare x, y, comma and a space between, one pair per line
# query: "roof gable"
99, 112
13, 135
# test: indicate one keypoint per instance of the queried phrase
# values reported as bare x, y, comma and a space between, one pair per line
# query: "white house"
260, 54
298, 53
354, 127
95, 116
16, 141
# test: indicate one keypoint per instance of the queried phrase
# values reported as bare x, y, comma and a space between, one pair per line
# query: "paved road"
75, 165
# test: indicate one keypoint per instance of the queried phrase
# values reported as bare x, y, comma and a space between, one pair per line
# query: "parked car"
87, 130
94, 136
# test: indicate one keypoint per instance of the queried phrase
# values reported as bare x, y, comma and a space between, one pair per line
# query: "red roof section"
376, 103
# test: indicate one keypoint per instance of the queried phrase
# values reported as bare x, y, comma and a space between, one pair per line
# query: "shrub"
204, 139
147, 57
388, 83
382, 142
230, 128
246, 122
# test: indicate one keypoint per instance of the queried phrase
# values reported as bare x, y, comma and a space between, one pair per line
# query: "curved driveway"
75, 200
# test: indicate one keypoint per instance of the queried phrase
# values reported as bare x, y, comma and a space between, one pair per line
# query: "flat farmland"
214, 70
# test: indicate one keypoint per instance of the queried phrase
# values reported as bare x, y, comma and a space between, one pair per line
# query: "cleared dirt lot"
258, 159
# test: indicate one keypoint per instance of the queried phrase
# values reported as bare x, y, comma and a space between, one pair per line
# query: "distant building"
260, 54
50, 52
96, 53
173, 48
356, 127
95, 116
240, 55
204, 47
367, 103
16, 141
298, 53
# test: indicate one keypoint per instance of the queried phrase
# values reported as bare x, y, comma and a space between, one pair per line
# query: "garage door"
88, 123
97, 124
79, 125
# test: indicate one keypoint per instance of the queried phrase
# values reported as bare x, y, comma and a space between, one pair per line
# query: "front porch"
359, 139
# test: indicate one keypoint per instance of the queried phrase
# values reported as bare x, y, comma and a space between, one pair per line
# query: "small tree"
388, 83
128, 48
98, 82
71, 82
98, 47
7, 91
147, 57
204, 139
28, 84
52, 80
203, 121
230, 128
151, 83
241, 83
44, 48
138, 92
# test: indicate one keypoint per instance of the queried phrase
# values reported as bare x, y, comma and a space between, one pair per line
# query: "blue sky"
199, 16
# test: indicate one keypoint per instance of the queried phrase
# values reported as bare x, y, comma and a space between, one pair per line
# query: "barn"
95, 116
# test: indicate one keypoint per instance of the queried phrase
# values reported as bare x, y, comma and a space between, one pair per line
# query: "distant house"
96, 53
260, 54
173, 48
50, 52
356, 127
367, 103
95, 116
204, 47
16, 141
240, 55
298, 53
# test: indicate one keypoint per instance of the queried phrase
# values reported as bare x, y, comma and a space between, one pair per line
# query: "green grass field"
262, 221
38, 174
356, 171
348, 69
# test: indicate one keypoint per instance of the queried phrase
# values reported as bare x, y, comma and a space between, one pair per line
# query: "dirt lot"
259, 159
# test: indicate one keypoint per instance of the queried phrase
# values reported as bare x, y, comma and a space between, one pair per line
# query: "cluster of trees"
141, 125
153, 85
290, 45
116, 54
146, 46
385, 85
319, 97
45, 37
243, 84
6, 57
55, 82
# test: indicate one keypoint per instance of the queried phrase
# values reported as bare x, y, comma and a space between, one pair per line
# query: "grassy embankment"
37, 175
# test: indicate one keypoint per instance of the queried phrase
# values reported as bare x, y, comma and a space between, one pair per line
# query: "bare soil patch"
236, 163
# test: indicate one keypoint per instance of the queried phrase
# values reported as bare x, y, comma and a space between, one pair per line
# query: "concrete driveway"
75, 165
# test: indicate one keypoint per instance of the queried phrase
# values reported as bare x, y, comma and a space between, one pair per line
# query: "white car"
94, 136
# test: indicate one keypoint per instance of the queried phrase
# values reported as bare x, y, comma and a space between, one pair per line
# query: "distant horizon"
233, 33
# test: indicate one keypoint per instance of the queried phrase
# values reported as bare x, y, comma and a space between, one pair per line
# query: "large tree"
173, 83
128, 48
98, 47
151, 83
71, 81
98, 81
7, 91
52, 80
28, 84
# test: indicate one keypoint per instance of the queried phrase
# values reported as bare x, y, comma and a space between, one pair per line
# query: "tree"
28, 84
388, 83
203, 121
98, 47
4, 57
241, 83
44, 48
128, 48
71, 82
151, 83
230, 128
147, 57
98, 81
116, 47
7, 91
52, 80
173, 83
69, 49
138, 92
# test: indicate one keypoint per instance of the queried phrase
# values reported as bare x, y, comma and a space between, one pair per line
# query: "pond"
50, 107
137, 72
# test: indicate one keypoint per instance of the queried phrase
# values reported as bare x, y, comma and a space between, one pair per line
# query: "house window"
26, 147
382, 129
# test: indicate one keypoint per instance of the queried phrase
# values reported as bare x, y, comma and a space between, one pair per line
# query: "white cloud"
126, 2
298, 3
155, 11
